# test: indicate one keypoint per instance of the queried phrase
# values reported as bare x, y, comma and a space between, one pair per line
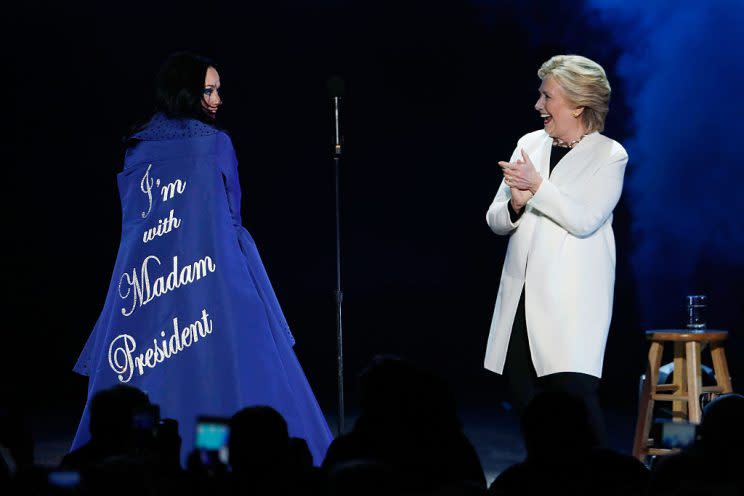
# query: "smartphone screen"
212, 434
64, 479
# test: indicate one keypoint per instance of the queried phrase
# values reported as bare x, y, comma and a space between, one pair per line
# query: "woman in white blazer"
555, 203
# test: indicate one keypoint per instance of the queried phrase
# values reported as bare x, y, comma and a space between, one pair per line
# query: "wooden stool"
686, 387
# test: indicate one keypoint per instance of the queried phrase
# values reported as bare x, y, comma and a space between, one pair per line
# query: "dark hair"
179, 86
179, 91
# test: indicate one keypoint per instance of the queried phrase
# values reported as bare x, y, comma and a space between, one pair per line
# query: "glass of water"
696, 311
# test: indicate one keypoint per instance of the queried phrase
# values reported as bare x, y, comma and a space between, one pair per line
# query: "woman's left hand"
521, 174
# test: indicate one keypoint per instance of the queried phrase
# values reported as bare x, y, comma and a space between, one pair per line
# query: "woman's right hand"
519, 197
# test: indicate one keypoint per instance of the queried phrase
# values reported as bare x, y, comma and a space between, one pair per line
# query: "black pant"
524, 383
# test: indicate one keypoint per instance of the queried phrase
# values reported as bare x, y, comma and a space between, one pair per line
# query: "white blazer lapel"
540, 156
575, 163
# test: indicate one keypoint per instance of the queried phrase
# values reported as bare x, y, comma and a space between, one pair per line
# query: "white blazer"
563, 249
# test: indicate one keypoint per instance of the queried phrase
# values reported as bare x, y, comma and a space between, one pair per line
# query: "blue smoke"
682, 79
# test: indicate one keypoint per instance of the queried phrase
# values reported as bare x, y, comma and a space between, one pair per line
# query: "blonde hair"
585, 84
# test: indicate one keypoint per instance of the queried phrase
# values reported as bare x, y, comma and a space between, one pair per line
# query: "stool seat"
686, 388
702, 335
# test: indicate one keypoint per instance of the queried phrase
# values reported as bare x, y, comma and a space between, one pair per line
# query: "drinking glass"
696, 311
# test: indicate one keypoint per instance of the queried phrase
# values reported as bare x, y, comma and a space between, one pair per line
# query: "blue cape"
190, 316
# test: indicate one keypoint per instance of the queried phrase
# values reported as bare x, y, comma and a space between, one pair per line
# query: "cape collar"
162, 127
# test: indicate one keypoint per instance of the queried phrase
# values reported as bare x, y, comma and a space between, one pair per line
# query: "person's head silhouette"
259, 441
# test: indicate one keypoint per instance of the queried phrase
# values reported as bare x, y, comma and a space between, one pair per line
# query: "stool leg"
694, 381
646, 402
679, 408
720, 367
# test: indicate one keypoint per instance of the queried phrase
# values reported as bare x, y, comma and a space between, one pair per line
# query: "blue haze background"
682, 75
437, 93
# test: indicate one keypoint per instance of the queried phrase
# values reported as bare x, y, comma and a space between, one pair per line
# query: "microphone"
336, 91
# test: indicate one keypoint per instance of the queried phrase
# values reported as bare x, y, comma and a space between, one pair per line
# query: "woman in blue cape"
190, 316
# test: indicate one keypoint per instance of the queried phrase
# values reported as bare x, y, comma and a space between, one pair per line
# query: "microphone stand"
339, 293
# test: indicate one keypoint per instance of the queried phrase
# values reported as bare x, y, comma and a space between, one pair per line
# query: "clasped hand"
522, 178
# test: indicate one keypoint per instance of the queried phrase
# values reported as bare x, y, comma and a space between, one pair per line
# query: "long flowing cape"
190, 316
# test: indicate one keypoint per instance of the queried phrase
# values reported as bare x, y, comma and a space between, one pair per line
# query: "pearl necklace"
570, 144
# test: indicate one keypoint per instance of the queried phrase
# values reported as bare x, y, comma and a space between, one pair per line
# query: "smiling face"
211, 99
561, 118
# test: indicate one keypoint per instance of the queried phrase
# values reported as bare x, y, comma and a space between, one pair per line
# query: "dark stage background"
437, 93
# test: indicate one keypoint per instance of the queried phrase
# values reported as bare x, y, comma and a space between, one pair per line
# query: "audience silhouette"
407, 440
714, 464
564, 457
408, 421
260, 452
112, 427
16, 442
